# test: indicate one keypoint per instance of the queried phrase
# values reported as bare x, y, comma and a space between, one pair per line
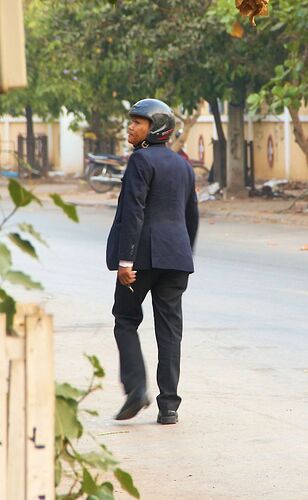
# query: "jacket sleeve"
192, 216
137, 181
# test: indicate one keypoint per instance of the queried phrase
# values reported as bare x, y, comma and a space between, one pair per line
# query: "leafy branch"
21, 198
87, 469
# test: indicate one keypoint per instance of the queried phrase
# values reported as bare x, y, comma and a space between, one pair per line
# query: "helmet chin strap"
143, 144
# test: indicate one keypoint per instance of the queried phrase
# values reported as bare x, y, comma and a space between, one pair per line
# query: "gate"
39, 146
249, 165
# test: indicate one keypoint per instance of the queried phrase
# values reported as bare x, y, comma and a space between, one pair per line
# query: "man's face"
138, 129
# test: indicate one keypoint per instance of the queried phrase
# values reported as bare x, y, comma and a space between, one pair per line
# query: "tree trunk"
96, 125
235, 151
30, 137
220, 163
188, 123
299, 133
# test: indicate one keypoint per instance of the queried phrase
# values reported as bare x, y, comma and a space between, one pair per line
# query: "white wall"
71, 146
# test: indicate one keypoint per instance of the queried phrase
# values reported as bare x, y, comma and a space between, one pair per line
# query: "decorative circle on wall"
270, 151
201, 148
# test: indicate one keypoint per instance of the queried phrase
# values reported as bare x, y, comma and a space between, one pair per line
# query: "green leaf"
8, 307
21, 196
67, 391
103, 493
61, 447
277, 26
58, 472
19, 278
126, 482
93, 413
88, 483
67, 423
28, 228
102, 460
108, 486
24, 245
5, 259
68, 208
98, 369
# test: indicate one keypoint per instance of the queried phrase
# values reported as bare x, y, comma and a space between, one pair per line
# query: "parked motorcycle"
104, 171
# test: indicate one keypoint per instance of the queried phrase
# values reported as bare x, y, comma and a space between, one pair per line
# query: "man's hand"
126, 275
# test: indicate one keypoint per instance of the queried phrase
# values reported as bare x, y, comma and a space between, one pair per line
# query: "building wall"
71, 146
273, 140
263, 133
299, 167
66, 150
205, 130
10, 128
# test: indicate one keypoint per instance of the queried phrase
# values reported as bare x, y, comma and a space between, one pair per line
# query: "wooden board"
3, 409
40, 407
16, 457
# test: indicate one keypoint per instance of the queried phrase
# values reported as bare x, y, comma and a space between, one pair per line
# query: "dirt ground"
289, 207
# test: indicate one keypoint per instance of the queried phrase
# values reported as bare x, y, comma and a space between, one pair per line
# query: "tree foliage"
91, 56
288, 87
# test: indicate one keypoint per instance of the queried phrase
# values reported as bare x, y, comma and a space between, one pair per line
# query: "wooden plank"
15, 348
40, 407
16, 461
16, 464
3, 409
22, 311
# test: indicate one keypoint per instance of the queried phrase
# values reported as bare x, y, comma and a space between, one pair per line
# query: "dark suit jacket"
157, 215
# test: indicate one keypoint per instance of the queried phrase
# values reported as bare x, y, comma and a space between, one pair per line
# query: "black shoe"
135, 401
168, 417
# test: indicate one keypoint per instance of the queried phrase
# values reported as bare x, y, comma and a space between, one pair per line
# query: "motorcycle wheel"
94, 176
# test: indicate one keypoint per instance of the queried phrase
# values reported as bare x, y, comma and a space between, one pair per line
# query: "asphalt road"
243, 430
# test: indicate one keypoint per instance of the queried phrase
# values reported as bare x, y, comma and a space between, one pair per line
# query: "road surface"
243, 429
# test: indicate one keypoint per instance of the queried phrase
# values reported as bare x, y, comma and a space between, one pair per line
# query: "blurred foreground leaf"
67, 423
24, 245
8, 307
68, 208
67, 391
19, 278
5, 259
28, 228
98, 369
21, 196
126, 482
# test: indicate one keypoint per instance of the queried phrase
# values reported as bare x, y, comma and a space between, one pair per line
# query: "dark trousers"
166, 289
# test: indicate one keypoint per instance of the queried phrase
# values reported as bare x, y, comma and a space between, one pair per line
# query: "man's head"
138, 129
151, 121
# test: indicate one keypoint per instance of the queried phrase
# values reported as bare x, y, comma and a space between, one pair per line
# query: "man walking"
150, 245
